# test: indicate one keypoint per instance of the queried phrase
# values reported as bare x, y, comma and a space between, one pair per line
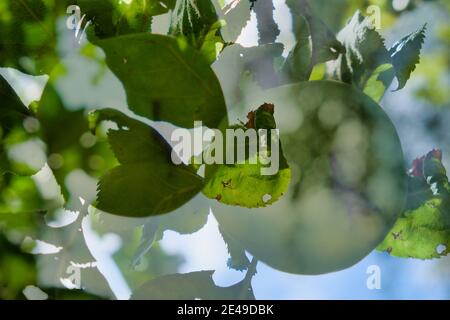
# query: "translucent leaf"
237, 15
73, 257
187, 219
238, 260
257, 63
194, 285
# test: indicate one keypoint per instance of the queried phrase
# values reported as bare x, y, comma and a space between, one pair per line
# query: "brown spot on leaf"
250, 120
268, 107
397, 235
417, 167
417, 164
435, 153
226, 184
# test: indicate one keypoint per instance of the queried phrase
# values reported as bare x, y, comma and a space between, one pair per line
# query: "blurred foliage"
170, 79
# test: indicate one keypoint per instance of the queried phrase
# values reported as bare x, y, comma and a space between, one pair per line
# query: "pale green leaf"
243, 184
237, 15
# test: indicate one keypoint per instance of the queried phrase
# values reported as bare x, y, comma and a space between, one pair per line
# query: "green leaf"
243, 184
238, 260
365, 51
194, 285
187, 219
298, 64
315, 42
147, 182
379, 81
365, 61
165, 79
65, 132
193, 19
423, 231
111, 18
73, 250
17, 270
212, 44
13, 111
405, 55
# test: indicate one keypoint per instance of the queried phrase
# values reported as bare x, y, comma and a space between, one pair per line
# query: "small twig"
247, 282
267, 28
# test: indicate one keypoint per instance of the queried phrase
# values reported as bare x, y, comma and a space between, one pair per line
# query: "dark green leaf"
405, 54
13, 111
165, 79
145, 158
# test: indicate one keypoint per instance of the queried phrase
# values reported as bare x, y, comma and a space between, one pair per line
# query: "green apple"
347, 188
